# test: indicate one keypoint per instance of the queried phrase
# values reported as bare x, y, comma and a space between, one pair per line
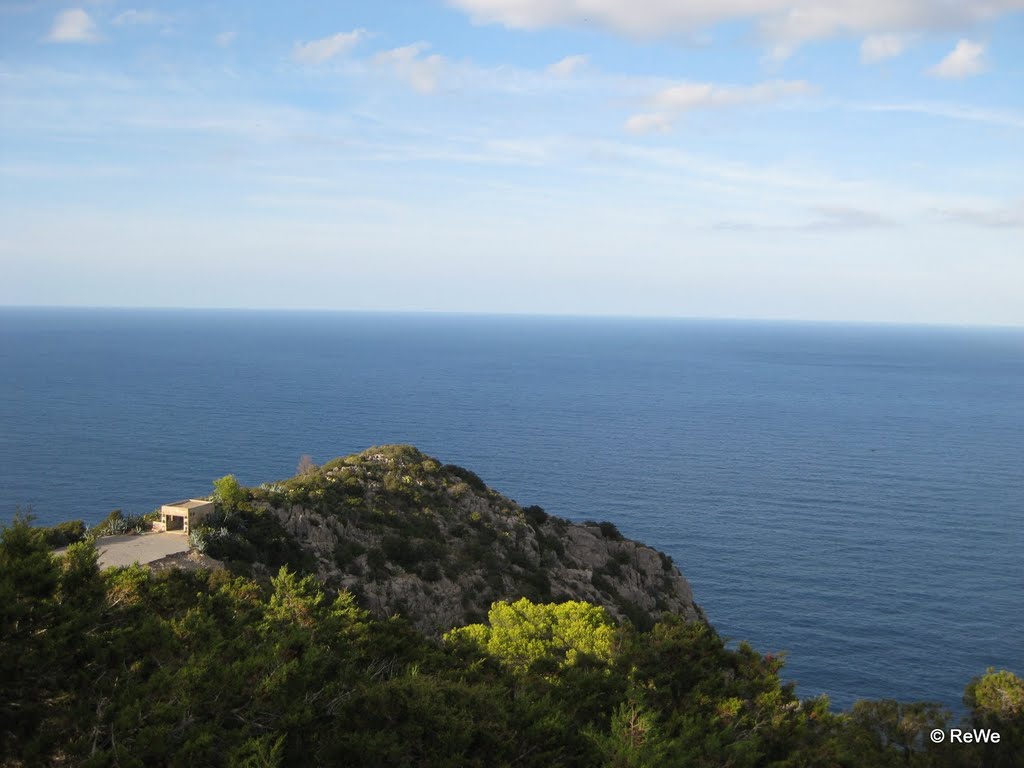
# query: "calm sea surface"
851, 495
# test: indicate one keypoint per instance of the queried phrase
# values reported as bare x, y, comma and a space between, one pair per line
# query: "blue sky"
803, 159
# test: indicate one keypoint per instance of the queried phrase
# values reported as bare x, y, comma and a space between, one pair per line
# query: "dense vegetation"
128, 667
409, 534
114, 524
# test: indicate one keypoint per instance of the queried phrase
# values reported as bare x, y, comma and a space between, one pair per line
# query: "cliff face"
409, 535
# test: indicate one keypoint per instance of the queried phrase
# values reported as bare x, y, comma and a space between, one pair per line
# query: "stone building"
180, 516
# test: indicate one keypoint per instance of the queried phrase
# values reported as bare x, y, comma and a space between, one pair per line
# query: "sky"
832, 160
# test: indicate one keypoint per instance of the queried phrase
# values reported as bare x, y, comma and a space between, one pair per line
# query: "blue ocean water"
850, 495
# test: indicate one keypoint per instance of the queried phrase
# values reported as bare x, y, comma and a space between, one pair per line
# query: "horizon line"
512, 314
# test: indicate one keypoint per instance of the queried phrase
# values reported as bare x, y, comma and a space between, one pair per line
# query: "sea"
848, 495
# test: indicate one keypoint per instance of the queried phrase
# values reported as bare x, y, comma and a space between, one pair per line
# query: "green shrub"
198, 537
609, 531
63, 534
552, 543
346, 551
535, 515
612, 568
228, 493
400, 550
119, 524
538, 586
430, 571
377, 562
472, 479
244, 537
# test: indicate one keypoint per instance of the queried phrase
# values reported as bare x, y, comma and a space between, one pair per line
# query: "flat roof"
188, 503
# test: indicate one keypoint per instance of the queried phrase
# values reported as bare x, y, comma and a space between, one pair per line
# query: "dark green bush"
245, 537
535, 515
612, 568
130, 667
62, 534
400, 550
430, 571
346, 551
377, 562
472, 479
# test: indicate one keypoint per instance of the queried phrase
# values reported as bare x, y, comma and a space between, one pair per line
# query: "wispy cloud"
226, 38
951, 112
825, 218
37, 171
134, 17
1009, 217
685, 96
672, 101
783, 24
965, 60
326, 48
877, 48
568, 66
649, 122
73, 26
845, 217
412, 65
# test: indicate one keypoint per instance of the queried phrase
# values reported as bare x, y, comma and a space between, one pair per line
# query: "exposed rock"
186, 561
410, 536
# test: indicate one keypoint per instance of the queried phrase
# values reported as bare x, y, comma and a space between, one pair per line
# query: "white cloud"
991, 218
686, 96
319, 51
951, 112
568, 66
827, 218
965, 60
73, 26
649, 122
226, 38
409, 65
832, 217
785, 24
879, 47
683, 97
134, 17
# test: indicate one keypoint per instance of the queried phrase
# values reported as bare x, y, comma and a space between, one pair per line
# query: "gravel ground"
141, 548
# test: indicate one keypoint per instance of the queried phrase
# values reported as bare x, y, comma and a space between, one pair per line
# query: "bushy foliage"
119, 524
228, 493
608, 530
535, 514
244, 537
134, 668
996, 701
62, 534
472, 479
523, 634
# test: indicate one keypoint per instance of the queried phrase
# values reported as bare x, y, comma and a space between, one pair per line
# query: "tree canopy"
128, 667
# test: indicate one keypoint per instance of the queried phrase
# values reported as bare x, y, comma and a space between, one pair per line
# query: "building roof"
189, 503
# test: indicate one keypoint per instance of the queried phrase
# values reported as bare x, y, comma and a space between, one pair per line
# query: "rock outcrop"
411, 536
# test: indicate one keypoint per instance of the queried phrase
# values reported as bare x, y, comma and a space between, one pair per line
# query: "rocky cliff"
410, 535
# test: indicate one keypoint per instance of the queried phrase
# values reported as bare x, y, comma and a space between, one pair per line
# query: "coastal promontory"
410, 535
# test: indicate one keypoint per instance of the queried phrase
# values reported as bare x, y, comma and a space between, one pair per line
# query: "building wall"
198, 514
191, 515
